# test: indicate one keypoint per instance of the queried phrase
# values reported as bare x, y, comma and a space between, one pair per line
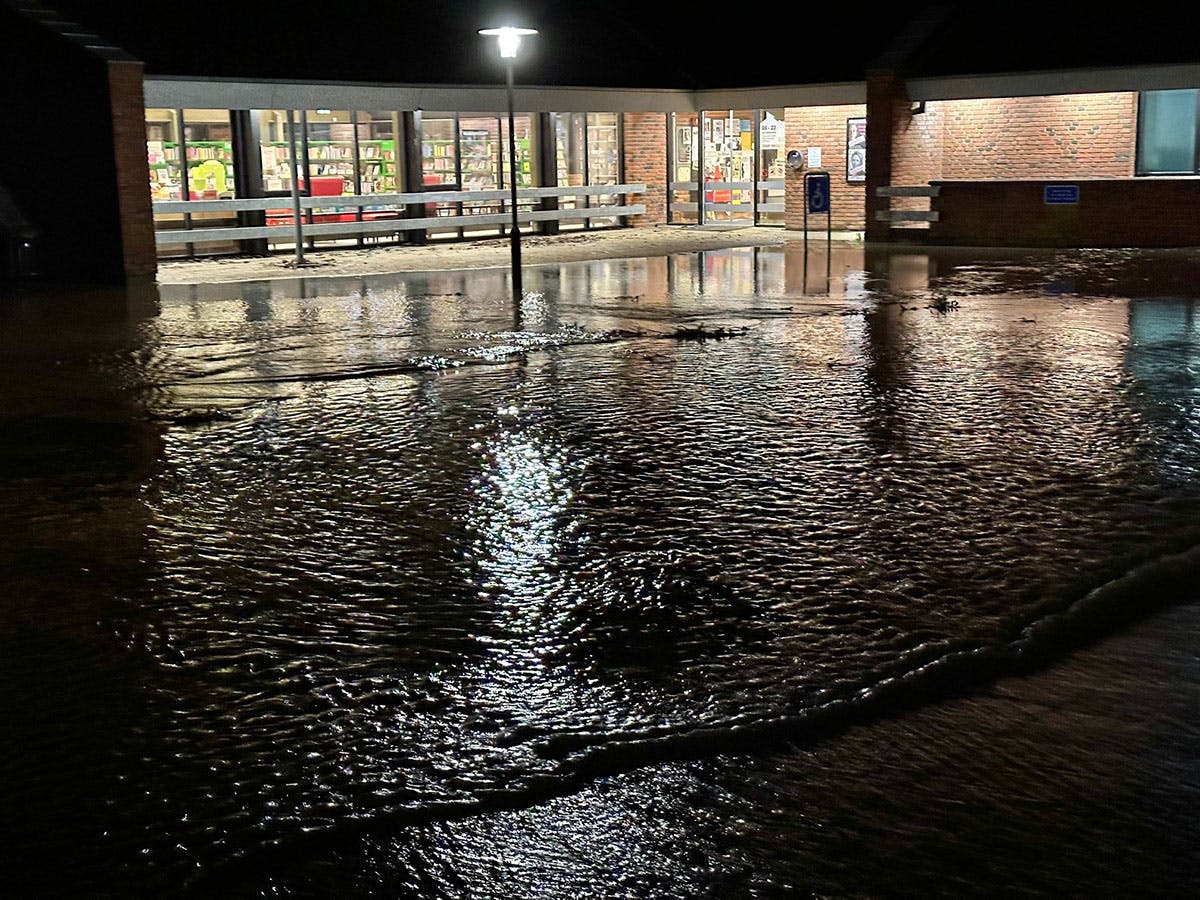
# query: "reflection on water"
295, 565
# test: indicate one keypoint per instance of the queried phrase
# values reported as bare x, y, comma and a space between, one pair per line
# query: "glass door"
570, 143
729, 168
604, 163
771, 173
682, 206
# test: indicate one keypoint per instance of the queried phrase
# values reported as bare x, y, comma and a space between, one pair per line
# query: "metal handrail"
500, 199
246, 204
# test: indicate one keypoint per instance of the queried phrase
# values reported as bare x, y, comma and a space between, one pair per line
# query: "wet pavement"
694, 575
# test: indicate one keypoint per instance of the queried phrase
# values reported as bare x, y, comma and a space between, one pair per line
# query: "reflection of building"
1123, 137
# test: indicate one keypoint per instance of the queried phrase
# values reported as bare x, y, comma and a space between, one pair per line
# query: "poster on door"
770, 133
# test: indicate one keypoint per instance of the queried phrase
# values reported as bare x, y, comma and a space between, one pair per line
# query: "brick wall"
132, 171
1059, 136
1133, 212
645, 158
824, 127
1063, 136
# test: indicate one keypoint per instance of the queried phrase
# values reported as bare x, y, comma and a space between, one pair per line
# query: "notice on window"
770, 133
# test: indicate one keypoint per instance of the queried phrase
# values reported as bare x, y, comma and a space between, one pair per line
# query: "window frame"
1139, 170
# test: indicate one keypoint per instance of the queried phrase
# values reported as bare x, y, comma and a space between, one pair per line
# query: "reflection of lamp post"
510, 39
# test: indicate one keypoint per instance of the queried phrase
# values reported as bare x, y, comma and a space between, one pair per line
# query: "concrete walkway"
616, 243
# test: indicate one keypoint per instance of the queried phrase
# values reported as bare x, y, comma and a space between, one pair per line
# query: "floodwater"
693, 576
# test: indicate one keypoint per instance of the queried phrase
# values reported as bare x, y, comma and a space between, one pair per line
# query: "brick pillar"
132, 169
885, 97
645, 158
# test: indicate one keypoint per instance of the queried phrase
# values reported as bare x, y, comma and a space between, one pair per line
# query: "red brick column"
887, 109
132, 169
645, 157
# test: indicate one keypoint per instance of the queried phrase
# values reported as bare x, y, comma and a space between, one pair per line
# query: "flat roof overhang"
1047, 83
201, 93
207, 93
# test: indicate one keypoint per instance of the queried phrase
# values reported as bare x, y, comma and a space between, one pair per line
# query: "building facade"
171, 166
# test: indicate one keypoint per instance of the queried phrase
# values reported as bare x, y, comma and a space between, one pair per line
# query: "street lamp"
509, 39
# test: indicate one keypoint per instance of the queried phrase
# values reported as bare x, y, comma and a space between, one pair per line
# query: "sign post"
816, 200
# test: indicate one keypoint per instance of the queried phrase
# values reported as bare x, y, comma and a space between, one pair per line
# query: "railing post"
299, 225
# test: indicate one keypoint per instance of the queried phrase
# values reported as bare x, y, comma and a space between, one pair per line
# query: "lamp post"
509, 39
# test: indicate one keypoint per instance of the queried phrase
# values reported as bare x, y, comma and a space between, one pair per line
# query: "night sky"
614, 43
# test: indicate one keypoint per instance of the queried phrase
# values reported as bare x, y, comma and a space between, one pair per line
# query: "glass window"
377, 152
570, 138
570, 134
603, 149
1167, 132
685, 168
331, 157
439, 148
479, 157
273, 141
162, 153
525, 151
604, 161
209, 139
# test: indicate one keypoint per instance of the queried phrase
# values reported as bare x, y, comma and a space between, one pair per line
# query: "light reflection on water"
382, 550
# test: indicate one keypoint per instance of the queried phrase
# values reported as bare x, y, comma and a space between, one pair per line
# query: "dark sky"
616, 43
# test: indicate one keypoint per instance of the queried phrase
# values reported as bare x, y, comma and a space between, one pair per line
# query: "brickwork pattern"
645, 159
824, 127
1063, 136
918, 150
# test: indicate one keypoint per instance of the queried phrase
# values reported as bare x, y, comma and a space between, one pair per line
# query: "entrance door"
771, 156
729, 168
684, 175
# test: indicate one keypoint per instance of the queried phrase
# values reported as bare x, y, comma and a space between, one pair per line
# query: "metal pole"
512, 167
829, 243
804, 193
291, 122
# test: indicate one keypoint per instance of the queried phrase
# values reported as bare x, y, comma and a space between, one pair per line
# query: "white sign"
814, 157
770, 133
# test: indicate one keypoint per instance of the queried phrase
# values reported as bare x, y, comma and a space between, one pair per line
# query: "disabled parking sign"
818, 193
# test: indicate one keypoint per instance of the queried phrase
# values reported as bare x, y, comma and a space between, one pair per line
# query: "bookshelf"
603, 154
165, 173
377, 166
478, 161
438, 160
210, 167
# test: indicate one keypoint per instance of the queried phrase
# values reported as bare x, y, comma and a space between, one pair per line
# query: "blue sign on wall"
1060, 193
818, 193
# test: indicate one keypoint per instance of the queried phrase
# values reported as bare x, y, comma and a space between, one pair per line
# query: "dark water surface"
688, 578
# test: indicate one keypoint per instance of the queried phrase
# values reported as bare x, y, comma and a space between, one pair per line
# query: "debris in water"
700, 333
943, 304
